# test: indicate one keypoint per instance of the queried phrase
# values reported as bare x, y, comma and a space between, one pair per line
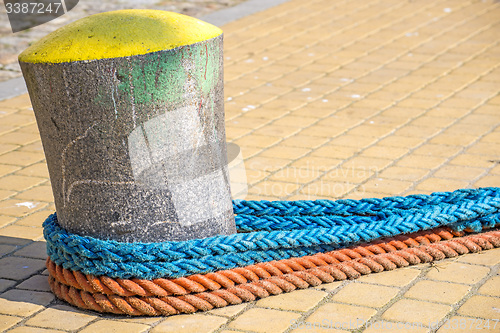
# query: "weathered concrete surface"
135, 145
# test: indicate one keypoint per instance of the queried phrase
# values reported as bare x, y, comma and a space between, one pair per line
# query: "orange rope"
204, 292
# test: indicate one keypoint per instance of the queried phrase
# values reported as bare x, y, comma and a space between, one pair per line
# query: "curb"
15, 87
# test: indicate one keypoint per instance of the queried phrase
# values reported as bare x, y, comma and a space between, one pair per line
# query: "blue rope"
273, 230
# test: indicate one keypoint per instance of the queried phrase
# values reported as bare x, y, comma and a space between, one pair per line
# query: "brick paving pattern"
327, 99
13, 44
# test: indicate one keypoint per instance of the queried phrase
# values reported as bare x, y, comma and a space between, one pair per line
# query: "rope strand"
280, 246
280, 237
353, 263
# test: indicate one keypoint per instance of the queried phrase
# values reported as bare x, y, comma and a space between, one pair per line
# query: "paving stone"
5, 284
333, 152
331, 286
256, 176
35, 147
442, 292
37, 283
304, 141
421, 161
341, 316
18, 137
397, 278
403, 173
7, 169
355, 141
290, 153
35, 219
295, 175
388, 186
19, 183
35, 170
481, 306
61, 317
266, 164
41, 193
37, 250
229, 311
488, 181
432, 121
488, 258
491, 287
264, 320
459, 172
292, 120
142, 320
5, 194
277, 131
17, 268
6, 220
21, 158
315, 328
437, 184
413, 311
381, 326
299, 300
22, 302
114, 326
6, 147
457, 272
372, 131
459, 324
349, 174
19, 102
327, 189
27, 329
365, 295
368, 163
386, 152
322, 132
418, 132
400, 141
194, 323
29, 128
472, 161
7, 322
18, 208
255, 140
4, 249
22, 232
273, 189
14, 241
316, 166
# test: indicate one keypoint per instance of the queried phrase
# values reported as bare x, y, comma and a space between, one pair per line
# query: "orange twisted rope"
137, 297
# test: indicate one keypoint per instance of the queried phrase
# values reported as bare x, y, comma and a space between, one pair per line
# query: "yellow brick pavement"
327, 99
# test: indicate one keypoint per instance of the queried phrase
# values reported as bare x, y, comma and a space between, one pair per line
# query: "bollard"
129, 105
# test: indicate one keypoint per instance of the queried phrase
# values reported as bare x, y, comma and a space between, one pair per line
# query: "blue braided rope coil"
275, 230
348, 207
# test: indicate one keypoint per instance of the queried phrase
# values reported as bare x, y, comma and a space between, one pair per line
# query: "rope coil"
279, 247
475, 209
201, 293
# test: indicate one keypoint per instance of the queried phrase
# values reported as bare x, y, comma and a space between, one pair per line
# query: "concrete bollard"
129, 105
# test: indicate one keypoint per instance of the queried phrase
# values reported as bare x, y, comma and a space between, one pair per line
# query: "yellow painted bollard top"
117, 34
